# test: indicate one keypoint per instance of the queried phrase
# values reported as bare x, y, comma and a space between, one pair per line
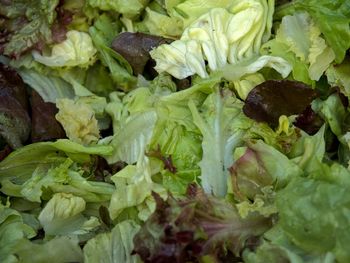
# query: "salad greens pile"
174, 131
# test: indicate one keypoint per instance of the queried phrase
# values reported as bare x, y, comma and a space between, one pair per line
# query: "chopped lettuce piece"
260, 166
78, 121
57, 250
12, 230
62, 215
113, 247
339, 75
76, 50
125, 7
217, 37
102, 33
305, 200
134, 187
332, 19
220, 138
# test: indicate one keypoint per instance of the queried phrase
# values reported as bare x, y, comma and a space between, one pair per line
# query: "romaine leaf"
220, 138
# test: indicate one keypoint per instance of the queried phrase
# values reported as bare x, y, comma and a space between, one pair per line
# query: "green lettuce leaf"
12, 230
76, 50
113, 247
127, 8
305, 200
333, 111
339, 76
217, 37
62, 215
260, 166
220, 138
59, 249
134, 187
102, 33
78, 121
20, 165
332, 18
276, 248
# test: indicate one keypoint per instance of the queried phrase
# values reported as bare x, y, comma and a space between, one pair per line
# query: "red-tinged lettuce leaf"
5, 152
45, 127
273, 98
199, 226
26, 24
260, 166
64, 18
135, 48
309, 121
14, 118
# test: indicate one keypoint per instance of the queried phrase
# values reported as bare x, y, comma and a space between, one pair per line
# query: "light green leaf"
76, 50
113, 247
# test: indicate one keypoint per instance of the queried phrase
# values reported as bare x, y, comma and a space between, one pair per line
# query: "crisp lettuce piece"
333, 111
20, 164
314, 209
134, 187
113, 247
235, 72
244, 85
162, 24
332, 18
76, 50
190, 10
217, 37
220, 137
276, 248
50, 88
339, 75
133, 137
102, 33
260, 166
78, 121
127, 8
12, 230
308, 151
57, 250
62, 215
302, 37
300, 70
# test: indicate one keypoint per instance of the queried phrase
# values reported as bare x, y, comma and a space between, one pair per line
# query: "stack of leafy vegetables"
174, 131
